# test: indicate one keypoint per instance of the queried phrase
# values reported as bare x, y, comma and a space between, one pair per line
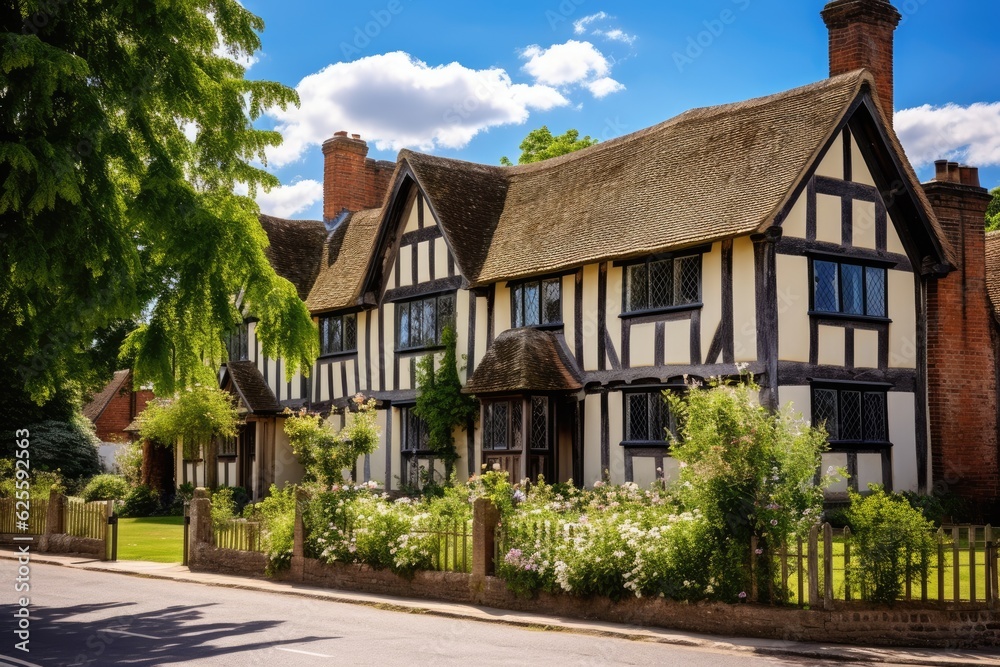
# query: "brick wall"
861, 36
351, 180
961, 368
119, 413
850, 623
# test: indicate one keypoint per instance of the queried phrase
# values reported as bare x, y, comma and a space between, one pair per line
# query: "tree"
124, 129
195, 418
541, 145
324, 453
993, 211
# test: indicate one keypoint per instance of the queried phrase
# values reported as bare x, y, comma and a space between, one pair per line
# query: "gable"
861, 192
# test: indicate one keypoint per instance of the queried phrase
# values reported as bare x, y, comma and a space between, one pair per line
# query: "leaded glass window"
238, 345
421, 323
850, 289
537, 303
647, 417
415, 433
851, 414
663, 283
504, 426
338, 333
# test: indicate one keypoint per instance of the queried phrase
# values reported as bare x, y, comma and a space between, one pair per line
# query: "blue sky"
470, 79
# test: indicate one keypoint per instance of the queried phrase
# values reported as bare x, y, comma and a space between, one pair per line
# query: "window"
851, 414
648, 417
338, 334
663, 283
238, 345
537, 303
415, 433
504, 427
421, 323
227, 446
849, 289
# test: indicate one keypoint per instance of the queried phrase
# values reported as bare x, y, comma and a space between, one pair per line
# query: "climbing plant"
440, 401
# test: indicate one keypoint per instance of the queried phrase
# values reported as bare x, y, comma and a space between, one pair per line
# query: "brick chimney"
961, 358
861, 36
351, 180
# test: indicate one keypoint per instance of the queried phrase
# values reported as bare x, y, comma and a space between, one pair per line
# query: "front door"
519, 436
246, 451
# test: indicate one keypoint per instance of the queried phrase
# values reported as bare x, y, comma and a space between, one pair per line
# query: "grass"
159, 539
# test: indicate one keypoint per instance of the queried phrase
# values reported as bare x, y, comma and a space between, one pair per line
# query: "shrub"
106, 487
128, 462
185, 492
40, 482
141, 501
750, 472
325, 453
277, 516
67, 447
894, 543
223, 507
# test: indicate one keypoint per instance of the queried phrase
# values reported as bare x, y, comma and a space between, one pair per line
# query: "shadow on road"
100, 634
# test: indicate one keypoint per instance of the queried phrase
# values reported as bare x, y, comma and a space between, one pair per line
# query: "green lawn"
159, 539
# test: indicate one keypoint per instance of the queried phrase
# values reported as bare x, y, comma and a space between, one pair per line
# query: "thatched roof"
295, 249
344, 259
525, 361
993, 271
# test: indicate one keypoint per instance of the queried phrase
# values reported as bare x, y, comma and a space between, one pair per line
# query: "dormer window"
536, 303
658, 284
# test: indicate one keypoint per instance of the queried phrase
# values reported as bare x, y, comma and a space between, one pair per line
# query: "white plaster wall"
798, 398
863, 223
389, 341
903, 313
424, 261
795, 223
501, 309
859, 168
902, 434
676, 343
592, 440
613, 308
643, 471
865, 348
828, 219
892, 241
831, 346
440, 258
616, 433
744, 300
869, 470
569, 312
711, 285
482, 323
832, 163
793, 308
835, 461
462, 330
590, 333
405, 267
642, 345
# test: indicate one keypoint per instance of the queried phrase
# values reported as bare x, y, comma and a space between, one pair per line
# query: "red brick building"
115, 407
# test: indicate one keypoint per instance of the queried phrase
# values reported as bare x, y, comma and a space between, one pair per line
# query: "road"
92, 618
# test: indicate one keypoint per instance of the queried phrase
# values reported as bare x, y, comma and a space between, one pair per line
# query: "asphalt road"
91, 618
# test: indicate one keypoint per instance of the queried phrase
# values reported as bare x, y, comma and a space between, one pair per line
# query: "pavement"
807, 652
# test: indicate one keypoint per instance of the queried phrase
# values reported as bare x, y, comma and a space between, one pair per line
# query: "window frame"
525, 442
517, 293
663, 443
840, 262
627, 311
436, 297
405, 414
837, 444
240, 336
327, 319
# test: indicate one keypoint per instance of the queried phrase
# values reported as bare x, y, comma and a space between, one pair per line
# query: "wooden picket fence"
817, 570
37, 511
239, 535
452, 545
83, 519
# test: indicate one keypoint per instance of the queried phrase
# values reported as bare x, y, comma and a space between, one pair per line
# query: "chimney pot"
355, 136
342, 133
940, 170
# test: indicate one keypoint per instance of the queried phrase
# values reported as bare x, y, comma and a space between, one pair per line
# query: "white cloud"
572, 63
396, 101
580, 25
604, 86
968, 134
285, 201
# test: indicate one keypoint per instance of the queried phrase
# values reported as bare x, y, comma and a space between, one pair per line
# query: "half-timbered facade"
785, 236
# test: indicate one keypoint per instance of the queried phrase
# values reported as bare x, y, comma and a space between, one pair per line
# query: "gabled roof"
993, 271
251, 387
99, 403
523, 361
344, 259
295, 250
